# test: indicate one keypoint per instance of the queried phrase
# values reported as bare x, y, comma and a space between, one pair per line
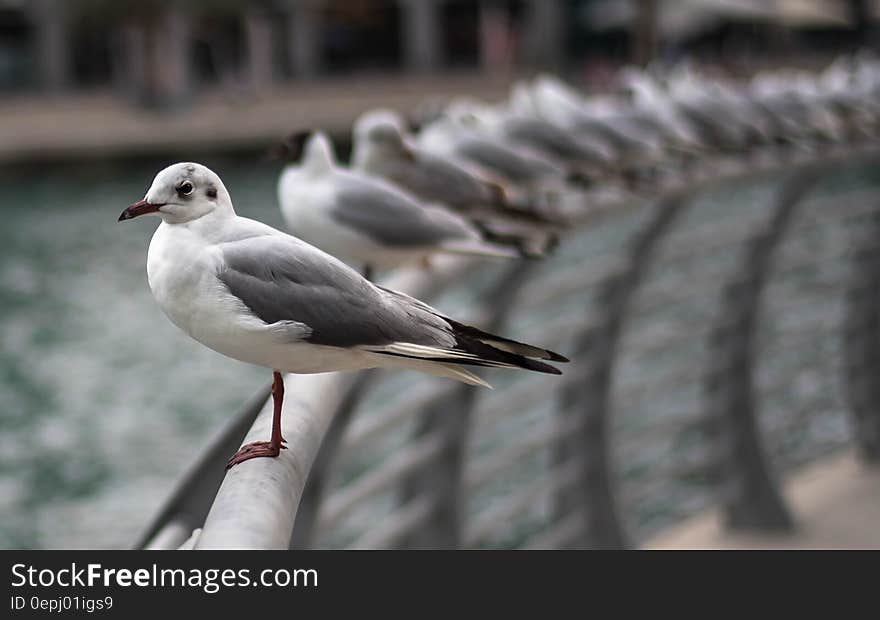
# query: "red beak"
140, 207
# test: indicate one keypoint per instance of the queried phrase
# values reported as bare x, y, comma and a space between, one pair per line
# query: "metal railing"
696, 320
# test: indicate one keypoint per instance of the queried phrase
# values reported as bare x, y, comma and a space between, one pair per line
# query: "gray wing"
284, 280
503, 160
392, 218
436, 179
550, 139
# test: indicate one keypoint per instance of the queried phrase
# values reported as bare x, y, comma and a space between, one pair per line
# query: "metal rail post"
443, 478
591, 395
751, 496
861, 336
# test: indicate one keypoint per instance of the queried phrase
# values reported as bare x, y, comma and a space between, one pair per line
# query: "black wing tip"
555, 357
468, 337
541, 367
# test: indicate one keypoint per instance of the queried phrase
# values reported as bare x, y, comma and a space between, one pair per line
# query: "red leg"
275, 445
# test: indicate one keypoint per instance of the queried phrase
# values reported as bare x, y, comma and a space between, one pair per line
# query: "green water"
102, 401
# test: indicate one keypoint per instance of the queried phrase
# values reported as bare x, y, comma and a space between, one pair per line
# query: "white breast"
182, 270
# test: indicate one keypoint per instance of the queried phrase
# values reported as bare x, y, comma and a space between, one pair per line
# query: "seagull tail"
469, 336
467, 351
531, 243
439, 369
473, 347
480, 247
458, 373
528, 212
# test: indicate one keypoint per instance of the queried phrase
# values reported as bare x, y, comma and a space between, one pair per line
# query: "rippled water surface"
102, 400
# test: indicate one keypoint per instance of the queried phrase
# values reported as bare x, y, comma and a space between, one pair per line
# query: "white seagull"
367, 220
383, 148
256, 294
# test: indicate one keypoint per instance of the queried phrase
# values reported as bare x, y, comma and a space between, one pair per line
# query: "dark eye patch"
211, 192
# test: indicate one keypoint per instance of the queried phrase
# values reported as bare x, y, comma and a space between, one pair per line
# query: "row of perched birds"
484, 179
476, 179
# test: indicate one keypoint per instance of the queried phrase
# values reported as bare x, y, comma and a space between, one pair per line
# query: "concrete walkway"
836, 503
102, 124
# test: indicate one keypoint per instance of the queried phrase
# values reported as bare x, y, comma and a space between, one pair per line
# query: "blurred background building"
76, 75
162, 52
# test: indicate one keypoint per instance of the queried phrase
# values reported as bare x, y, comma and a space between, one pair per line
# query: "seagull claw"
254, 450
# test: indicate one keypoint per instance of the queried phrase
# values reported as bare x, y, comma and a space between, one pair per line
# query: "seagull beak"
140, 207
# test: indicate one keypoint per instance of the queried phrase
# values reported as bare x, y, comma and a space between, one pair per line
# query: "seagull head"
382, 131
471, 113
182, 193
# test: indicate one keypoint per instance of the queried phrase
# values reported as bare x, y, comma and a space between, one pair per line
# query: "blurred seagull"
383, 148
635, 136
587, 158
258, 295
365, 219
512, 163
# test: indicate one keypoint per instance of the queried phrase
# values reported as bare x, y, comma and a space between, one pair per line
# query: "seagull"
383, 148
587, 158
364, 219
258, 295
510, 162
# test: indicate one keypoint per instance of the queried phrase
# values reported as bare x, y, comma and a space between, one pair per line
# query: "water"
102, 401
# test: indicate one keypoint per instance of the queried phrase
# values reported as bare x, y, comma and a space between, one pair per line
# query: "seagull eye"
185, 189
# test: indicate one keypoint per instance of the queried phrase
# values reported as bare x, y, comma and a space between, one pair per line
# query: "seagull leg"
275, 445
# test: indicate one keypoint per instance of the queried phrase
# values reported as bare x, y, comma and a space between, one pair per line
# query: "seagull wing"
283, 280
390, 217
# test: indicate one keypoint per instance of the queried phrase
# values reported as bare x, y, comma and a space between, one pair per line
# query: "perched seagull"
258, 295
365, 219
579, 156
512, 163
383, 148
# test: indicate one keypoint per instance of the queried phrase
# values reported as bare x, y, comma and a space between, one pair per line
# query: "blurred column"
421, 35
544, 33
130, 68
258, 34
304, 37
644, 32
52, 43
170, 72
863, 24
495, 41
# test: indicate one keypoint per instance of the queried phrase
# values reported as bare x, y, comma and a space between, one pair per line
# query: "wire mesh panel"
800, 366
661, 456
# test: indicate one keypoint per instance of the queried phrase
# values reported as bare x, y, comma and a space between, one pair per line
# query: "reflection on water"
102, 400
